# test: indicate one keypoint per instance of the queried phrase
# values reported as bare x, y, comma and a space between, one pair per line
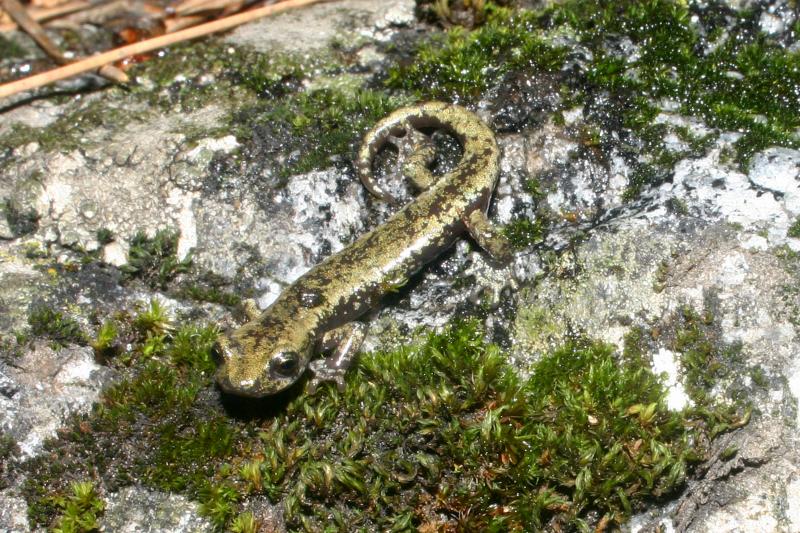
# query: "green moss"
678, 206
439, 433
467, 13
9, 49
272, 76
734, 87
790, 292
710, 366
12, 345
209, 287
179, 77
68, 131
54, 325
184, 78
245, 523
154, 260
105, 342
524, 232
153, 320
80, 510
729, 453
20, 221
104, 236
794, 229
217, 503
759, 377
747, 83
705, 360
661, 276
322, 127
465, 63
8, 455
536, 189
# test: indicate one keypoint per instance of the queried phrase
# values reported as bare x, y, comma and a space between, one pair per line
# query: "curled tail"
470, 131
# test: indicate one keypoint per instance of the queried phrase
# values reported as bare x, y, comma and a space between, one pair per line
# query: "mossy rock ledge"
635, 368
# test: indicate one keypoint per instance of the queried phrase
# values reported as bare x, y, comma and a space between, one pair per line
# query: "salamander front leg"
344, 341
489, 237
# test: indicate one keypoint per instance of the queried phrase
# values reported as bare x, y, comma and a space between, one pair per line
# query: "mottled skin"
271, 352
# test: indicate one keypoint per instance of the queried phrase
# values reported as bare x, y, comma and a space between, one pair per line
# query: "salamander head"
258, 365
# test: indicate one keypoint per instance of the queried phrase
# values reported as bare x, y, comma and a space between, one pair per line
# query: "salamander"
318, 312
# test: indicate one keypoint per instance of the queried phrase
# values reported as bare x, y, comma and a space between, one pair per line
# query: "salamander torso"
316, 313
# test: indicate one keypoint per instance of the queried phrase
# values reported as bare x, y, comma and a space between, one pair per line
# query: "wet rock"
5, 229
135, 510
269, 516
19, 283
355, 18
521, 99
44, 387
710, 235
13, 512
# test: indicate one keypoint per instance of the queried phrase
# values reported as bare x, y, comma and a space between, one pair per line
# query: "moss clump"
218, 503
321, 127
184, 78
9, 49
80, 510
182, 75
54, 325
706, 360
466, 63
68, 132
794, 230
712, 67
443, 434
104, 236
155, 260
710, 366
525, 232
105, 342
8, 453
790, 292
467, 13
272, 77
209, 287
734, 86
245, 523
20, 221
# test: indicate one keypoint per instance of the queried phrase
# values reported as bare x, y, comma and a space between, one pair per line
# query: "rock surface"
714, 237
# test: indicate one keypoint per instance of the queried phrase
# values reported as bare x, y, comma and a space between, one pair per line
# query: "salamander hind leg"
344, 343
416, 154
489, 237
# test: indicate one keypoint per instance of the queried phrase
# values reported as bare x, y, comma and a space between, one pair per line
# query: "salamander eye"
284, 364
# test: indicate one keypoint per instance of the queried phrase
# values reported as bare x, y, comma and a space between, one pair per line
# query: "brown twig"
193, 7
41, 14
148, 45
174, 24
35, 30
18, 14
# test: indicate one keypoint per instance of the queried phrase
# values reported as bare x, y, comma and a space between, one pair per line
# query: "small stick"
26, 22
35, 30
173, 24
47, 13
93, 62
192, 7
